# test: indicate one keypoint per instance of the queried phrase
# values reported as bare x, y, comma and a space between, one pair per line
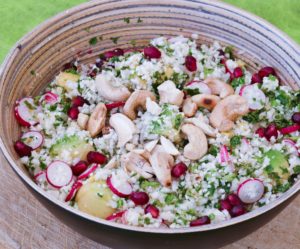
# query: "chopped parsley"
139, 20
126, 19
115, 39
235, 141
93, 41
235, 83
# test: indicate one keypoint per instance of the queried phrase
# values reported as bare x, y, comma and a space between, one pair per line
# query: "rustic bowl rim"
292, 191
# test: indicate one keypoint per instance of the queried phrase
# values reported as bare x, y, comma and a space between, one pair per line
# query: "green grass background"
17, 17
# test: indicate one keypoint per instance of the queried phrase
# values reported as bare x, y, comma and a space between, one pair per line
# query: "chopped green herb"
32, 72
139, 20
235, 83
43, 165
213, 150
126, 19
120, 203
177, 121
147, 221
208, 71
93, 41
253, 117
145, 184
170, 199
100, 195
297, 169
191, 91
235, 141
115, 39
229, 50
29, 105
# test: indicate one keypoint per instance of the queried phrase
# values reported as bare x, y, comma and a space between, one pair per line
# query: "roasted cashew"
227, 111
162, 163
189, 108
105, 85
169, 93
97, 120
137, 99
207, 101
168, 146
219, 87
197, 146
134, 162
124, 128
82, 120
206, 128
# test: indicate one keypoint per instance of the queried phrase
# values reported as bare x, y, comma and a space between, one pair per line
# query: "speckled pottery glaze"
41, 54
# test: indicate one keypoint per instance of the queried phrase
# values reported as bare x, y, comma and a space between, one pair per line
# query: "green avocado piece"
76, 146
278, 169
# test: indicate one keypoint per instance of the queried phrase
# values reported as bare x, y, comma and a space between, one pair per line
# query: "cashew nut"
97, 120
227, 111
168, 146
150, 145
137, 99
111, 164
106, 87
219, 87
197, 146
135, 163
162, 163
124, 128
169, 93
189, 108
82, 120
153, 107
207, 101
206, 128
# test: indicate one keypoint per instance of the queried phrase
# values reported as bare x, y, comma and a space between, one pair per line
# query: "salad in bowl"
173, 135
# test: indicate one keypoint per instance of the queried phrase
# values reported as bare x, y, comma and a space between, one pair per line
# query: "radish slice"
224, 155
114, 105
40, 177
255, 97
251, 190
59, 174
50, 98
75, 187
290, 129
33, 139
25, 110
197, 84
118, 187
245, 146
292, 144
116, 216
88, 172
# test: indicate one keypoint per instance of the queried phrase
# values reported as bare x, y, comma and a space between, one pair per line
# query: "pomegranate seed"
79, 167
221, 52
261, 132
152, 53
271, 131
73, 112
152, 210
179, 169
296, 117
238, 72
119, 52
92, 73
204, 220
139, 198
99, 63
78, 101
237, 210
22, 149
191, 63
114, 105
234, 199
96, 157
266, 71
225, 205
109, 54
256, 78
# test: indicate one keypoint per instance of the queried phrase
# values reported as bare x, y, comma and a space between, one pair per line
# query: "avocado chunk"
278, 169
64, 77
93, 198
70, 147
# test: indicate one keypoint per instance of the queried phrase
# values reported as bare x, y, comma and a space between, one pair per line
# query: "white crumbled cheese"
270, 84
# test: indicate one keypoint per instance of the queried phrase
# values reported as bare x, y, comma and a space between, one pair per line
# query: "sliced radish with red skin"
87, 173
251, 190
24, 115
59, 174
197, 84
50, 98
113, 105
292, 143
40, 177
75, 187
290, 129
116, 216
120, 188
255, 97
224, 155
33, 139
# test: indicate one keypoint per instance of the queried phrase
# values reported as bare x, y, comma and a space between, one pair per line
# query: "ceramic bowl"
42, 53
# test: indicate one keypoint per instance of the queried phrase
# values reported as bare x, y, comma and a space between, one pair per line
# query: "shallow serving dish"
41, 54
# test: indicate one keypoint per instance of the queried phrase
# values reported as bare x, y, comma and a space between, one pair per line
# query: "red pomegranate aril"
152, 52
96, 157
296, 117
204, 220
221, 52
109, 54
119, 52
271, 131
78, 101
238, 72
22, 149
237, 210
73, 112
139, 198
261, 132
79, 167
178, 170
99, 63
234, 199
225, 205
266, 71
191, 63
154, 211
256, 78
